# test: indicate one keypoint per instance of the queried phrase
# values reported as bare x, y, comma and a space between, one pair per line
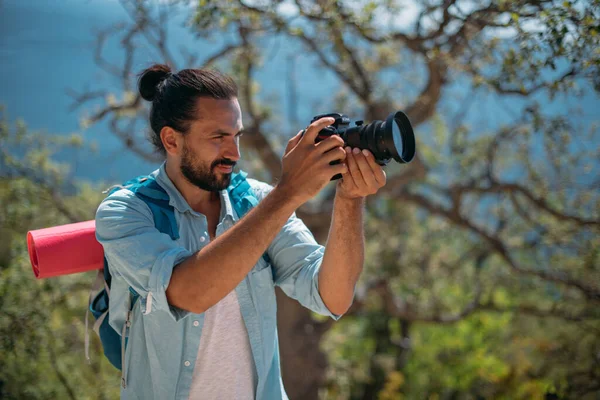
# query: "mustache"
223, 161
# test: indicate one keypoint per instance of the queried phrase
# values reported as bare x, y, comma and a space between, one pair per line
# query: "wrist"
349, 200
287, 195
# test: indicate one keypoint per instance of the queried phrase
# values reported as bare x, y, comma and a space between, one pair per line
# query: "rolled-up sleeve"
296, 259
137, 252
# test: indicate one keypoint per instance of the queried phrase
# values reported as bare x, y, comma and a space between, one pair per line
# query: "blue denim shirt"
163, 340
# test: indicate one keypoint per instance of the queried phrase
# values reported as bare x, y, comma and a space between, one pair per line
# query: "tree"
485, 240
41, 324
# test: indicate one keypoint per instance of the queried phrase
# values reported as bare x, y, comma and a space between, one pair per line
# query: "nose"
232, 151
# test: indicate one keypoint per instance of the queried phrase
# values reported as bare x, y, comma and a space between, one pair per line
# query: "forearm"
210, 274
344, 255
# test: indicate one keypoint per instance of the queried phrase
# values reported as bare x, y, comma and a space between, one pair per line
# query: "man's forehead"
220, 126
216, 114
208, 105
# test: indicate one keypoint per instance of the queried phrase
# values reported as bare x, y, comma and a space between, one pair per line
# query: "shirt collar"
177, 200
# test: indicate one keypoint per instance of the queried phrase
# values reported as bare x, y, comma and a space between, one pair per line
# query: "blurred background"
482, 275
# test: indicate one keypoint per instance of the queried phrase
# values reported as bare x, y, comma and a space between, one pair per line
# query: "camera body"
339, 127
392, 138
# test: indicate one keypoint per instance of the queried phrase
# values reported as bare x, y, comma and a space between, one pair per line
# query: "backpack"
147, 189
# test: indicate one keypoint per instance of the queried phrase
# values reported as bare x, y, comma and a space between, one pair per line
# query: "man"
205, 325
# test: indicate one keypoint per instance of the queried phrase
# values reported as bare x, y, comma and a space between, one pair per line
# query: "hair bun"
151, 78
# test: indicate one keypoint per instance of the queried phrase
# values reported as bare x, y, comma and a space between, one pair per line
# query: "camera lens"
399, 137
392, 138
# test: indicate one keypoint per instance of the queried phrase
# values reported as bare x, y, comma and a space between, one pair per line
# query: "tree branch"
590, 291
425, 104
258, 141
220, 54
511, 188
23, 171
311, 43
113, 109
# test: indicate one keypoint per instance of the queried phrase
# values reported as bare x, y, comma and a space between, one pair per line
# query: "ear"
171, 139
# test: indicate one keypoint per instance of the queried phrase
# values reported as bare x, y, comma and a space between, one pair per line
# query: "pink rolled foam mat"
65, 249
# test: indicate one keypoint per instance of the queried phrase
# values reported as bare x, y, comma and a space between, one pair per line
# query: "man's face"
211, 147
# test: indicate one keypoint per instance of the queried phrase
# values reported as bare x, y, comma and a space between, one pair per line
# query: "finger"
331, 142
293, 142
375, 168
337, 153
347, 180
353, 170
364, 168
313, 129
340, 168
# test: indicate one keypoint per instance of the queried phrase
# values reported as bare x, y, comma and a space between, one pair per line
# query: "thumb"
313, 129
293, 142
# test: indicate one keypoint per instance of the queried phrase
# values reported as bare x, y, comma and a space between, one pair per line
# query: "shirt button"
202, 239
187, 363
196, 323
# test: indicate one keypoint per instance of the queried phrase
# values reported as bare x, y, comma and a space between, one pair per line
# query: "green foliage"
423, 271
481, 275
41, 321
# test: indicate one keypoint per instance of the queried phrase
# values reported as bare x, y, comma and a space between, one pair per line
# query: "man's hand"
306, 165
364, 176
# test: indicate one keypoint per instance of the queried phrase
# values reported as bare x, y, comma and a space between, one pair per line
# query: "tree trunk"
302, 363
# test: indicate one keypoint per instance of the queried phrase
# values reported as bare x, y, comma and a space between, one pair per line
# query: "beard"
203, 176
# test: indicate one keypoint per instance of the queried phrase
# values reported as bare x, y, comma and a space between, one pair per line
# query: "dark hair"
174, 96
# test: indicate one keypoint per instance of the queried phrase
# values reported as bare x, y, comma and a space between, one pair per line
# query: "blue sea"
46, 51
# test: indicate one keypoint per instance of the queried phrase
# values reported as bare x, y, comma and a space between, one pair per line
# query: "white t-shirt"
224, 366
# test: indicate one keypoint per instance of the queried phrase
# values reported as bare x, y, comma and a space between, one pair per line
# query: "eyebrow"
222, 132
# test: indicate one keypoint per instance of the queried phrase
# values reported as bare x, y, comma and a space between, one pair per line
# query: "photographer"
205, 323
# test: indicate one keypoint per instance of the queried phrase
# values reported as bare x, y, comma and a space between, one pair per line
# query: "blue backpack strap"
148, 190
157, 199
243, 198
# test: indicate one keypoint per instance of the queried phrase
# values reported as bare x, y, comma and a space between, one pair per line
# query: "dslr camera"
389, 139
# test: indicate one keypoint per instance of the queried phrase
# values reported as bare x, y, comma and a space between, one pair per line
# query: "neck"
199, 200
